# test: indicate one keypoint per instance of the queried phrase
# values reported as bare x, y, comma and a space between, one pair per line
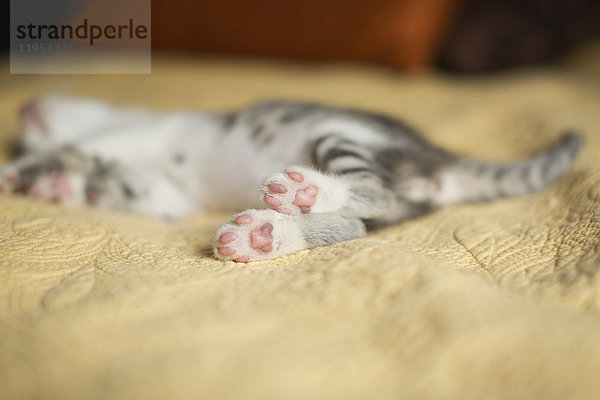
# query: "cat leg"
349, 181
72, 178
57, 176
53, 121
265, 234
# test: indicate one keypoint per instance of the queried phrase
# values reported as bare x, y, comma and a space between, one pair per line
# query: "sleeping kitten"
331, 173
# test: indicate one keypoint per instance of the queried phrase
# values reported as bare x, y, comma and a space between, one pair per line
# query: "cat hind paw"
258, 235
294, 191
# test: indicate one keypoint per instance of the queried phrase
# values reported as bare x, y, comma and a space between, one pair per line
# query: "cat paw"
294, 191
9, 179
258, 235
301, 190
40, 180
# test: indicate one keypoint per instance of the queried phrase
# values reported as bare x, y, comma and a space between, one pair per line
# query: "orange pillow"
400, 33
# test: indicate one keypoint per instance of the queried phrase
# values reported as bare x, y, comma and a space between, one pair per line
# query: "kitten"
331, 173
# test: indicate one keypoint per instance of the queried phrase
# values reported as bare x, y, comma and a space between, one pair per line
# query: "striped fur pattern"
323, 174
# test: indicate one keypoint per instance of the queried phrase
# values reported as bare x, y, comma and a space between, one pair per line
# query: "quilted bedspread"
482, 301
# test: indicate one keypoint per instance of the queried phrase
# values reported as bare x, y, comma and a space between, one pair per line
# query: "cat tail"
471, 181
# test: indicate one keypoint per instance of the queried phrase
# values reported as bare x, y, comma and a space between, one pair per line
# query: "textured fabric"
497, 300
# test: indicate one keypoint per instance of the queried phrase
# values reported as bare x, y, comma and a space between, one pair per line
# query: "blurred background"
456, 35
462, 36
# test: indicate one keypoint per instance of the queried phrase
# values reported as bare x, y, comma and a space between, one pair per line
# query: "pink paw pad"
278, 188
306, 198
243, 219
11, 179
296, 176
272, 201
262, 238
61, 187
228, 237
226, 251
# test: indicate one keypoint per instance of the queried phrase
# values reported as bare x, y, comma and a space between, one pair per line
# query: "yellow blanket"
498, 300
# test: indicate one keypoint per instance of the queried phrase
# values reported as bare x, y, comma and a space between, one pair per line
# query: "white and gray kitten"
331, 173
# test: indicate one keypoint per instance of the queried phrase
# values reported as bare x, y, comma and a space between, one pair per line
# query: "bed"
493, 300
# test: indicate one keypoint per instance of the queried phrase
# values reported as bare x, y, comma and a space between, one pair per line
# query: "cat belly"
230, 179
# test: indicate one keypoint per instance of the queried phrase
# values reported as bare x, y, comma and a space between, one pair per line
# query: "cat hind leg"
58, 177
265, 234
